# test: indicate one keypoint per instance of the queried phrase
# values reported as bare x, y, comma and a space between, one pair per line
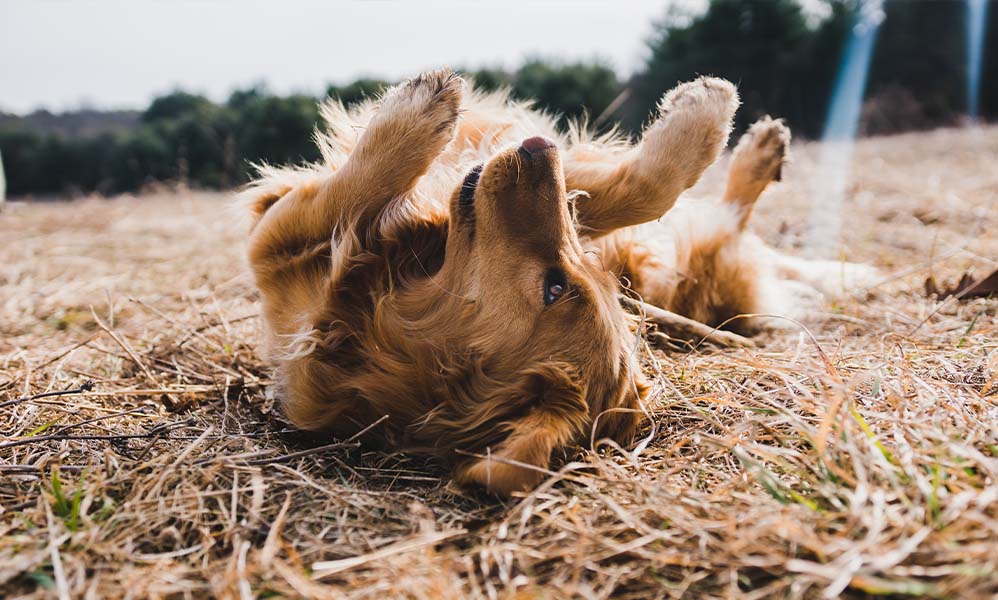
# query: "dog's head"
540, 312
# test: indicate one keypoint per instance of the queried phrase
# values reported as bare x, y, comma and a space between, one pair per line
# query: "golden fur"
699, 260
386, 291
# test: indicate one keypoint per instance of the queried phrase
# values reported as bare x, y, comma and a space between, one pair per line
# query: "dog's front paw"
425, 108
693, 125
709, 100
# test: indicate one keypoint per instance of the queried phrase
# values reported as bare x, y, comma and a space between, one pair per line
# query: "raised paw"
757, 160
762, 150
710, 99
424, 108
693, 125
413, 124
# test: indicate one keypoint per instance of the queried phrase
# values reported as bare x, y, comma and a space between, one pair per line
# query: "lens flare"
840, 131
977, 12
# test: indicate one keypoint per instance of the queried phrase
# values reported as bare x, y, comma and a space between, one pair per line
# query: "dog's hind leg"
757, 160
641, 184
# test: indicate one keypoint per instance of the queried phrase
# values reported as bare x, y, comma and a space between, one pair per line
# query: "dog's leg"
758, 159
415, 121
833, 279
640, 185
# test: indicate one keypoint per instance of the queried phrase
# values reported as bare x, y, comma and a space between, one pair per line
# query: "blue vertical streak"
976, 20
841, 128
847, 101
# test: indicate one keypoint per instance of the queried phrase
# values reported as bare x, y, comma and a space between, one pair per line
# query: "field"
853, 454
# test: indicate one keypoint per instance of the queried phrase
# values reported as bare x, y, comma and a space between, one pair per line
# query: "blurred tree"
138, 159
919, 67
240, 99
87, 162
989, 70
782, 65
20, 156
571, 90
276, 130
175, 105
358, 90
489, 78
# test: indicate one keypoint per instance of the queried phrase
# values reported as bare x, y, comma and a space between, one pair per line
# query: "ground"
862, 460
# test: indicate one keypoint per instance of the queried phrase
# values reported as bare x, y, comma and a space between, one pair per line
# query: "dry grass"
864, 463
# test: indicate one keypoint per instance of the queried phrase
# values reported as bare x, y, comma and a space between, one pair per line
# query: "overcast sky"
61, 54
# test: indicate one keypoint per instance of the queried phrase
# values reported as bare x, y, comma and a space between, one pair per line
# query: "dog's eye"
467, 197
554, 286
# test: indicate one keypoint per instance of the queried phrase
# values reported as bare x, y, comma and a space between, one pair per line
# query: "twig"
330, 567
62, 587
191, 332
191, 389
684, 328
86, 387
294, 455
124, 346
180, 459
348, 443
69, 426
270, 546
165, 427
35, 469
67, 351
613, 107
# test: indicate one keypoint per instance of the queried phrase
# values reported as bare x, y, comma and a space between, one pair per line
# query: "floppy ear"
554, 413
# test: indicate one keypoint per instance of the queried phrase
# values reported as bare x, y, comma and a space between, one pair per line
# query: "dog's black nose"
536, 144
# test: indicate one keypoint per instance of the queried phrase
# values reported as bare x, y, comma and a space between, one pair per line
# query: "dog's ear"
554, 412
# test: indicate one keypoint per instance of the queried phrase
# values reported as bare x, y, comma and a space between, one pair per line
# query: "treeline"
785, 61
786, 66
187, 138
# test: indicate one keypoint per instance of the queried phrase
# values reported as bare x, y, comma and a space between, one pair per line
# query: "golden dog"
434, 269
